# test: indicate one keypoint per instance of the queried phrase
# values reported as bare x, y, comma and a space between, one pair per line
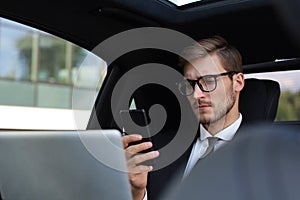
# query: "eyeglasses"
207, 83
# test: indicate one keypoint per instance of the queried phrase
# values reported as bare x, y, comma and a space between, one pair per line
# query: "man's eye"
209, 80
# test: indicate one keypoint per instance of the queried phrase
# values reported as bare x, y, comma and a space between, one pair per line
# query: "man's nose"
198, 93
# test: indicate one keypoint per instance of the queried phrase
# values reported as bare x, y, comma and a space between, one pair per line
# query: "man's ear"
238, 82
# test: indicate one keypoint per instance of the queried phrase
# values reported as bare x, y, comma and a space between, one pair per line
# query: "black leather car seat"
259, 100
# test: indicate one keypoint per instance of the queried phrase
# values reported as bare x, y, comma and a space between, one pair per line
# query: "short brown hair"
229, 56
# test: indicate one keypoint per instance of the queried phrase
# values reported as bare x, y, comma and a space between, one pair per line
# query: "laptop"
63, 165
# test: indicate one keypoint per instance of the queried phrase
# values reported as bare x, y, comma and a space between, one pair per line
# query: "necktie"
211, 144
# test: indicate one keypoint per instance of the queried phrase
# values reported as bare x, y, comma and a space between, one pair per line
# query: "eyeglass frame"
215, 76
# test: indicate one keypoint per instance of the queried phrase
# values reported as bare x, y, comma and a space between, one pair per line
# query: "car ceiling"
257, 27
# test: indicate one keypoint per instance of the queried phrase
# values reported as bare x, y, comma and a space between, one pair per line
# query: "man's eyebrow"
188, 76
191, 74
193, 78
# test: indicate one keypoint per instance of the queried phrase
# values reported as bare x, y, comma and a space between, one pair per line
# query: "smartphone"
135, 121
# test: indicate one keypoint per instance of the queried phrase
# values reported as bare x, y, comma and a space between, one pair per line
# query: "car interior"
256, 28
266, 32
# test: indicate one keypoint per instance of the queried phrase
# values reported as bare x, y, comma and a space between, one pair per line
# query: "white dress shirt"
201, 143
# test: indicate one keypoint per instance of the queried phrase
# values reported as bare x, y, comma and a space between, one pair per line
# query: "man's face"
214, 106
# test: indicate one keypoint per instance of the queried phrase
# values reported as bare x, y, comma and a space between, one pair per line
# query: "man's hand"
138, 173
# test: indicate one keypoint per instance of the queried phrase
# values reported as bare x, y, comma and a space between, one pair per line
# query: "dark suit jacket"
160, 180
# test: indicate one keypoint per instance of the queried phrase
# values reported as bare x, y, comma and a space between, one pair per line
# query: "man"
213, 81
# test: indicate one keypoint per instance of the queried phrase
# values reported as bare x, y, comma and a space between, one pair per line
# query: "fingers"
133, 155
133, 149
139, 169
134, 162
130, 138
139, 158
134, 158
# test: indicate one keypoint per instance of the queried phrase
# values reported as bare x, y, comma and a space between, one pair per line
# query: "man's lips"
203, 106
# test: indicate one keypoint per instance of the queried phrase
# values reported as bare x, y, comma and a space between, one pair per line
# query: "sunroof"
183, 2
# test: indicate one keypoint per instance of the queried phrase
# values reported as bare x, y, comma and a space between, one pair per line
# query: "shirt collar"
226, 134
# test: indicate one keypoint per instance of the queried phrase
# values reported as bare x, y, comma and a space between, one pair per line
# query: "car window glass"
42, 77
289, 101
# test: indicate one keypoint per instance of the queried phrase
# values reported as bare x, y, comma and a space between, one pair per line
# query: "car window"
44, 79
289, 101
